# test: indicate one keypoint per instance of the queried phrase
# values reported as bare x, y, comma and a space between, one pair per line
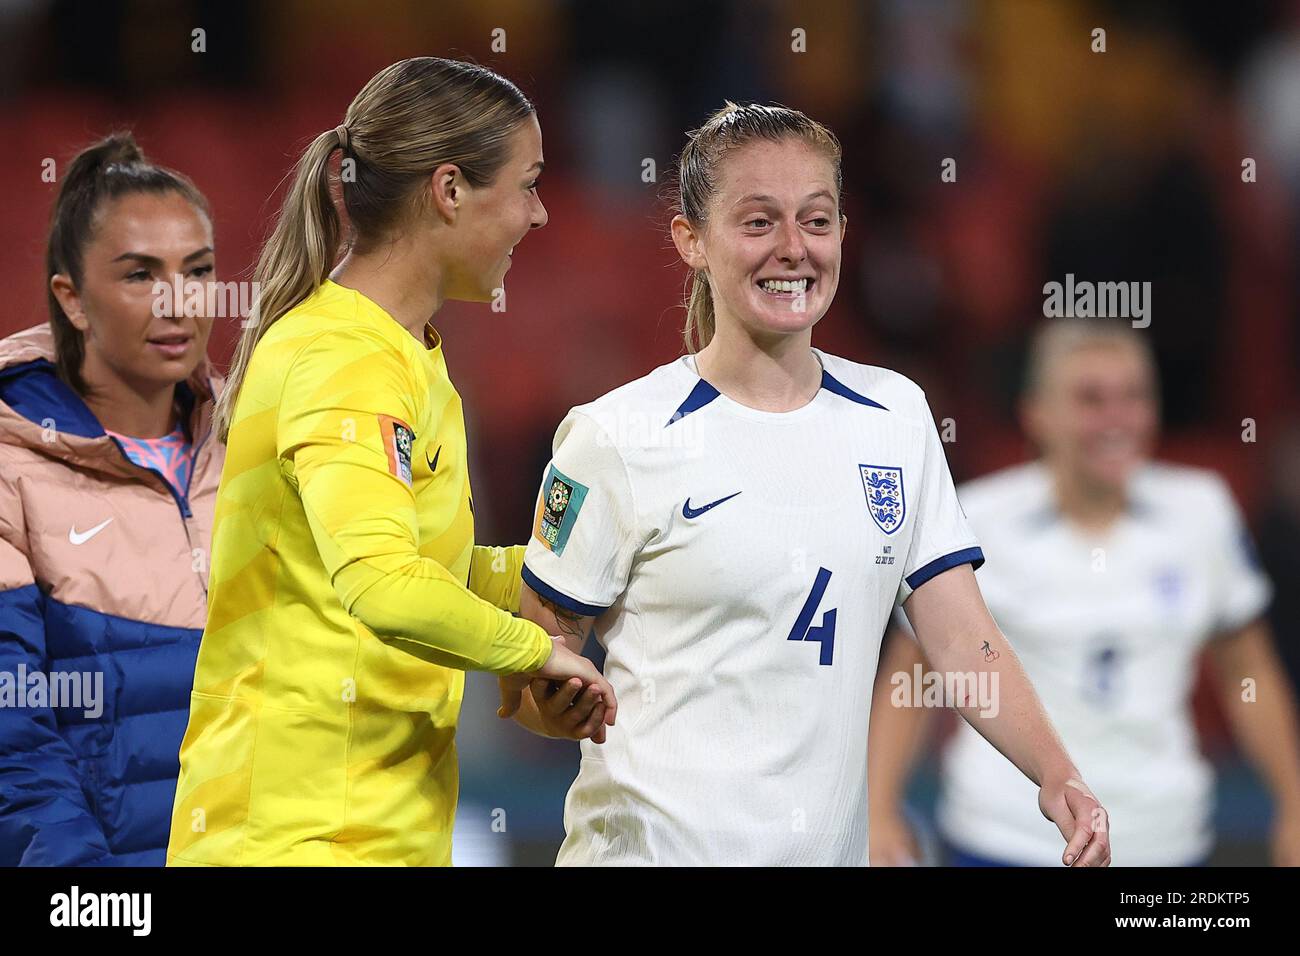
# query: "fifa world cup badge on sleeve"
398, 441
562, 498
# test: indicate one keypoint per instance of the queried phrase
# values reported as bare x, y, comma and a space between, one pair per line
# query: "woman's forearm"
965, 646
1260, 708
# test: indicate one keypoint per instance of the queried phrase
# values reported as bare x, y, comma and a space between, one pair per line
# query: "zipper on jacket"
189, 480
182, 501
194, 466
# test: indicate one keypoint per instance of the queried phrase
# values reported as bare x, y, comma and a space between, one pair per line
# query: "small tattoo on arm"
568, 621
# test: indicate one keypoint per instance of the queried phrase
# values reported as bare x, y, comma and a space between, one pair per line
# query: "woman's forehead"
786, 169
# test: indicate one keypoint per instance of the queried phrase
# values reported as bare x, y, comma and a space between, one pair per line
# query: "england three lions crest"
884, 488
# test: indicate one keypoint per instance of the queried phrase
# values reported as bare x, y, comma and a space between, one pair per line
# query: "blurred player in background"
1109, 574
742, 521
348, 595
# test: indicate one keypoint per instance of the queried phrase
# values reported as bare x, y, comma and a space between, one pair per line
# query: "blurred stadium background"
1123, 165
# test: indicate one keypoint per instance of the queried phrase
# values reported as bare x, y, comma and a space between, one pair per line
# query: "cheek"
1147, 422
120, 312
827, 259
740, 267
204, 324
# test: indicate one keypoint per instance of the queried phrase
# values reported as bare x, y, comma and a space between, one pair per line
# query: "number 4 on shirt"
824, 633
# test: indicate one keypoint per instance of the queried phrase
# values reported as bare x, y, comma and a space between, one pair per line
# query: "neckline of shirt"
1047, 511
432, 338
177, 436
794, 416
181, 426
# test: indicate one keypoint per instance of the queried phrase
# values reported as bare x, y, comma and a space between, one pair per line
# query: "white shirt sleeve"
1243, 591
583, 541
942, 538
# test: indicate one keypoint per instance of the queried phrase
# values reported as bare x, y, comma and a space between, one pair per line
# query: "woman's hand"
583, 700
892, 841
1081, 819
569, 710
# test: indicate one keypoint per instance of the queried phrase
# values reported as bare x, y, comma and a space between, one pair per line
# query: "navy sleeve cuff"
559, 597
971, 556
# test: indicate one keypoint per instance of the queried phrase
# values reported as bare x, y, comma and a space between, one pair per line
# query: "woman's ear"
688, 243
446, 189
65, 293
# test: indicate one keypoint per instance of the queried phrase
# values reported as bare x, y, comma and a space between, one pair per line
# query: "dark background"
1124, 165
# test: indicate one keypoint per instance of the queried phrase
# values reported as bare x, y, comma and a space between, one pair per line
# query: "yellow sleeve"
495, 575
345, 395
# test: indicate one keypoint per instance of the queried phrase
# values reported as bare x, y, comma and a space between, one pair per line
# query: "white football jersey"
1108, 628
743, 565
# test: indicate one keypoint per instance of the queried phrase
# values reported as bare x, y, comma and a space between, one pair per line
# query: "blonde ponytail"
699, 313
409, 119
295, 261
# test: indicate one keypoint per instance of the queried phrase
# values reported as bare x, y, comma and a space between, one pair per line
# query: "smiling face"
492, 219
771, 243
1095, 413
138, 240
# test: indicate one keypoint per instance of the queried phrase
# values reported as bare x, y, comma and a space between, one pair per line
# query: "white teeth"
784, 285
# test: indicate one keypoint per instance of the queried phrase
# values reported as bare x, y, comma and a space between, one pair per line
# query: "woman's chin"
783, 315
1112, 476
782, 325
481, 293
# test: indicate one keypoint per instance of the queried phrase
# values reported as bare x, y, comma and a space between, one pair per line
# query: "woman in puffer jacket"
108, 477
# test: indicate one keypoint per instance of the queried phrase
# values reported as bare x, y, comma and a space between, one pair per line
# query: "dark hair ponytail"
113, 167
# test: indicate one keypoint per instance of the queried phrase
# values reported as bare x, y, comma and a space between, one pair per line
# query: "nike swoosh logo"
433, 465
82, 537
689, 512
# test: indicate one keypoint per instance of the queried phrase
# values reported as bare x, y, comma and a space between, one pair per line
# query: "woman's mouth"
172, 346
786, 288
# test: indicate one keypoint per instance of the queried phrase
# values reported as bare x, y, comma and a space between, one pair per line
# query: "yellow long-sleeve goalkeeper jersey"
346, 596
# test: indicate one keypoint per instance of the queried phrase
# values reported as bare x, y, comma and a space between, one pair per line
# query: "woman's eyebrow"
763, 197
155, 261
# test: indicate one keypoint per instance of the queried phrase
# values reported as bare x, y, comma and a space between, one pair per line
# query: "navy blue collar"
703, 393
35, 391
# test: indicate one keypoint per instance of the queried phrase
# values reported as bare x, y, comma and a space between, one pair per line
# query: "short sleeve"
583, 542
942, 539
1242, 589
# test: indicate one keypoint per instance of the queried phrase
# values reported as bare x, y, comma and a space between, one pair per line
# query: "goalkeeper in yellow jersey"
347, 596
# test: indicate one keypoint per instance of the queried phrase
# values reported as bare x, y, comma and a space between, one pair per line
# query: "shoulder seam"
284, 381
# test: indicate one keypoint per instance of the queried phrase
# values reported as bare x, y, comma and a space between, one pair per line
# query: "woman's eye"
137, 275
532, 187
201, 270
